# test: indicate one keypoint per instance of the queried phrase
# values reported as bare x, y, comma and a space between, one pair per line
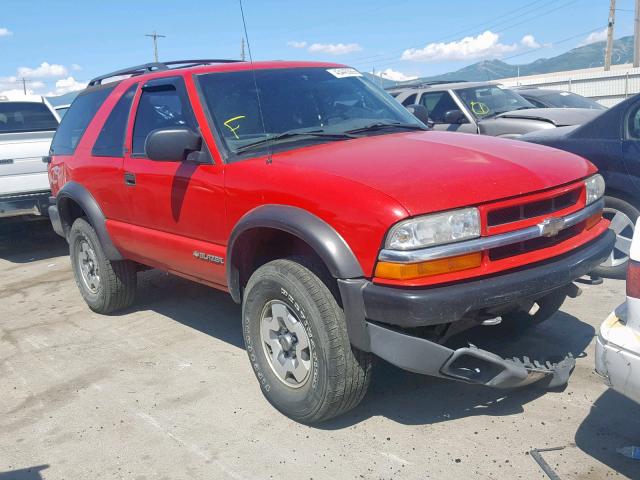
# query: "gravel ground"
165, 391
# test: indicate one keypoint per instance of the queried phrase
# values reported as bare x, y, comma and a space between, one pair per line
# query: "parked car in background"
343, 226
548, 98
62, 109
611, 141
485, 108
618, 340
27, 125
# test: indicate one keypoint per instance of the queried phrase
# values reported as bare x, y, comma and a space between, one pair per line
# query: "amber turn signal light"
410, 271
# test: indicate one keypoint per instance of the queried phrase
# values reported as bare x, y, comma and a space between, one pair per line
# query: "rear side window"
110, 141
161, 106
77, 119
26, 117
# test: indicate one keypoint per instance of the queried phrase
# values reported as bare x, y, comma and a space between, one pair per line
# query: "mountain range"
586, 56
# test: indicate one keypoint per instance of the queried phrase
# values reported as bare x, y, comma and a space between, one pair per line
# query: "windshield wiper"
295, 133
382, 125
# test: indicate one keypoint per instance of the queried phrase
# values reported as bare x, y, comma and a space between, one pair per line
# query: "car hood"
549, 136
560, 117
432, 171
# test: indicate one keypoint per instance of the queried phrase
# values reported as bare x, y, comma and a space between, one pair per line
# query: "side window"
410, 100
438, 103
161, 106
633, 123
110, 142
76, 120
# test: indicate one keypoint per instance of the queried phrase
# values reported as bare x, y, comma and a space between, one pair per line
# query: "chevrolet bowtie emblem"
550, 227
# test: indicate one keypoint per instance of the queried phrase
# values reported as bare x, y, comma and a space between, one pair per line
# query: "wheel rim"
88, 266
623, 227
286, 344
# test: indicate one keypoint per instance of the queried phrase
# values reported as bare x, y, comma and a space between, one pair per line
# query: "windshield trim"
229, 156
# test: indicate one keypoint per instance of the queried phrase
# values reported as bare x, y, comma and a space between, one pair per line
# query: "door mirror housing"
455, 117
421, 113
172, 144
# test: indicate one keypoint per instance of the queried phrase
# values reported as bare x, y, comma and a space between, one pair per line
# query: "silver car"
485, 108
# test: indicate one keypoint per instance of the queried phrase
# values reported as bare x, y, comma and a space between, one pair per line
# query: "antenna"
255, 82
242, 55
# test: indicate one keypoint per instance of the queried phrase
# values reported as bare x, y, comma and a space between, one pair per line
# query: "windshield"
299, 104
570, 100
26, 117
491, 100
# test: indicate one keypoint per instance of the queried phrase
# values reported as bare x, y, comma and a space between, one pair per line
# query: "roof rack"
157, 66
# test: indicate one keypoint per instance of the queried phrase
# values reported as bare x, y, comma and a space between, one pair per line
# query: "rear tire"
296, 339
623, 217
547, 307
106, 286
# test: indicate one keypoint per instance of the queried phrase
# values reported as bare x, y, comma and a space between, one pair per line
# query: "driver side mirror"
421, 113
455, 117
172, 144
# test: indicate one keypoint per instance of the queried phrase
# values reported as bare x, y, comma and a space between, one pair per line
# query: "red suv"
343, 226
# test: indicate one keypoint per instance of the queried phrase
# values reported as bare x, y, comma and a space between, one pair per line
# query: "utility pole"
155, 37
636, 36
24, 84
610, 24
242, 56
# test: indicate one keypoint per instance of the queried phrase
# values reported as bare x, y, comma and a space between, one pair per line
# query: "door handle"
129, 178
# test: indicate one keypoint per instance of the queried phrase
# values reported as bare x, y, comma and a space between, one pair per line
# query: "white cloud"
395, 76
335, 48
5, 32
529, 41
66, 85
75, 66
486, 44
294, 44
44, 70
594, 37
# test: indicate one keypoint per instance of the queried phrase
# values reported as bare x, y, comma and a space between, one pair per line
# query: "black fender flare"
319, 235
80, 195
326, 242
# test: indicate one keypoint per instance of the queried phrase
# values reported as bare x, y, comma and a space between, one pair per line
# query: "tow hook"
573, 290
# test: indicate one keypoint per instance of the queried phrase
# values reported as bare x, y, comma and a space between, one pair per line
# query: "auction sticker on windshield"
344, 72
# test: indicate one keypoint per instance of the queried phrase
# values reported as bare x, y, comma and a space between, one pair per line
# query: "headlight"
595, 188
436, 229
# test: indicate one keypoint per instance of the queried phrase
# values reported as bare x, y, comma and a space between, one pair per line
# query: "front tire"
623, 217
296, 339
106, 286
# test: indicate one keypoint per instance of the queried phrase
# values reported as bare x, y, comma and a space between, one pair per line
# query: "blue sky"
60, 45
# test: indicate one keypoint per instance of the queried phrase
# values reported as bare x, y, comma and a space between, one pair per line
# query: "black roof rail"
157, 66
425, 84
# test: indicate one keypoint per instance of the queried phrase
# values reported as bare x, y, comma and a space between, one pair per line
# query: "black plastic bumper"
432, 306
24, 204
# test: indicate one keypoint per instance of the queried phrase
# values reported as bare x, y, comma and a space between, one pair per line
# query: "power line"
544, 13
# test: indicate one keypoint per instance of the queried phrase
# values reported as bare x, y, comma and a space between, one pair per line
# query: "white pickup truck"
27, 125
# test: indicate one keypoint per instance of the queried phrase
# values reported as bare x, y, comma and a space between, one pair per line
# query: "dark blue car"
612, 142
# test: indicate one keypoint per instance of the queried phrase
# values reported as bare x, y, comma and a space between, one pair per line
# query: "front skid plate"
468, 364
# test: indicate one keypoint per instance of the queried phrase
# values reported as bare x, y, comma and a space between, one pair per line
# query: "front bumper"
18, 204
368, 307
408, 308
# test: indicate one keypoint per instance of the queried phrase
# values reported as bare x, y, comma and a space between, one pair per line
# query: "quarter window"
110, 142
161, 106
77, 119
410, 100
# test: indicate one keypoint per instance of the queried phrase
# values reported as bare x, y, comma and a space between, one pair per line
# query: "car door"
439, 104
631, 149
177, 207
